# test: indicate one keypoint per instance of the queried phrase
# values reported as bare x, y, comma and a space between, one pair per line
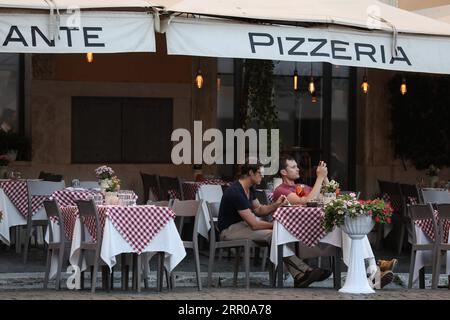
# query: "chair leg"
411, 268
247, 265
236, 266
422, 278
47, 268
60, 263
197, 266
146, 270
18, 239
264, 258
402, 236
27, 241
210, 264
436, 270
94, 273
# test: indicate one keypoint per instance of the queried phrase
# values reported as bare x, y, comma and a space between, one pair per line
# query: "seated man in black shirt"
237, 220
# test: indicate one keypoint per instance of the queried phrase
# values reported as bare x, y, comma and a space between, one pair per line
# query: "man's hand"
282, 201
322, 170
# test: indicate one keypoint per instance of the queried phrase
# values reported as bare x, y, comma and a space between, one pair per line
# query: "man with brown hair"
238, 219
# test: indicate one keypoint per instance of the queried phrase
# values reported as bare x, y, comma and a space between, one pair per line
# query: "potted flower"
330, 190
357, 218
109, 184
433, 173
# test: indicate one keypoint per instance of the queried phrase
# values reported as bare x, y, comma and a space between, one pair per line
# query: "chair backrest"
262, 197
409, 190
213, 212
52, 210
435, 195
170, 183
47, 176
88, 209
357, 193
421, 212
89, 184
210, 192
159, 203
43, 188
444, 210
392, 189
151, 181
187, 208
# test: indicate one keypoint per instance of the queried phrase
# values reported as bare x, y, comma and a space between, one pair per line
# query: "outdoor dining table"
145, 229
14, 207
302, 225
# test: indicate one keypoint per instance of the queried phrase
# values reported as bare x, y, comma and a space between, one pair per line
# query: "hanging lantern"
311, 86
403, 88
295, 80
199, 79
89, 57
365, 85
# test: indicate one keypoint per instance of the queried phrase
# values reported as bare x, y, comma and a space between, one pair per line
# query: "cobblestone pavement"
226, 294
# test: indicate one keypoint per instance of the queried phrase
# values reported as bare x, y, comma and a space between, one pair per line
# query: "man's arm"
264, 210
254, 223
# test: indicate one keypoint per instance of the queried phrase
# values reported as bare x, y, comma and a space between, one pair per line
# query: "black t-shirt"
234, 199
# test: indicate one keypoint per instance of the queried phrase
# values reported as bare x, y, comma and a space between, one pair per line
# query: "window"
121, 130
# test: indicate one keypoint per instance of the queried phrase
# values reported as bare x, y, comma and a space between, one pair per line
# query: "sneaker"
325, 274
308, 278
387, 265
386, 278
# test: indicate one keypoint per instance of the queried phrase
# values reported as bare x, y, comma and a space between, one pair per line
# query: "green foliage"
420, 120
259, 79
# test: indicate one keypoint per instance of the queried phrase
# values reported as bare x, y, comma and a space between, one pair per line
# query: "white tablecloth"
167, 240
425, 258
12, 217
336, 238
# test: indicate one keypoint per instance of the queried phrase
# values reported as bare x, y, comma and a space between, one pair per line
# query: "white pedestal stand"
356, 281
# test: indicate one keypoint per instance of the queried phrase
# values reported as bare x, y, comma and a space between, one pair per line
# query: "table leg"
280, 266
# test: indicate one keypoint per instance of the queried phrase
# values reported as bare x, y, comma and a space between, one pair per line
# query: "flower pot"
104, 184
356, 228
328, 197
111, 198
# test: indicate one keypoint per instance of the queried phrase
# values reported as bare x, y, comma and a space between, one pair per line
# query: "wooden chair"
37, 188
213, 210
170, 184
409, 193
435, 195
151, 182
56, 244
421, 212
392, 189
190, 208
442, 245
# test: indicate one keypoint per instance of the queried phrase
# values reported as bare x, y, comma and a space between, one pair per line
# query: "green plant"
347, 205
420, 130
259, 91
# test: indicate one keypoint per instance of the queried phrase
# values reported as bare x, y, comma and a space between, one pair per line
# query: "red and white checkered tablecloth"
138, 225
69, 215
17, 192
303, 223
190, 188
67, 197
427, 226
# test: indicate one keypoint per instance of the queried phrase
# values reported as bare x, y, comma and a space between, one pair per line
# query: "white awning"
441, 13
82, 4
361, 33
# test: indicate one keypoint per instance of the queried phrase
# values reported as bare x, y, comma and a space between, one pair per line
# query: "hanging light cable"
89, 57
295, 78
365, 85
199, 76
403, 87
311, 86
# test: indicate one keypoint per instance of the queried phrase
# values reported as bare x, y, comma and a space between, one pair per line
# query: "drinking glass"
75, 183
